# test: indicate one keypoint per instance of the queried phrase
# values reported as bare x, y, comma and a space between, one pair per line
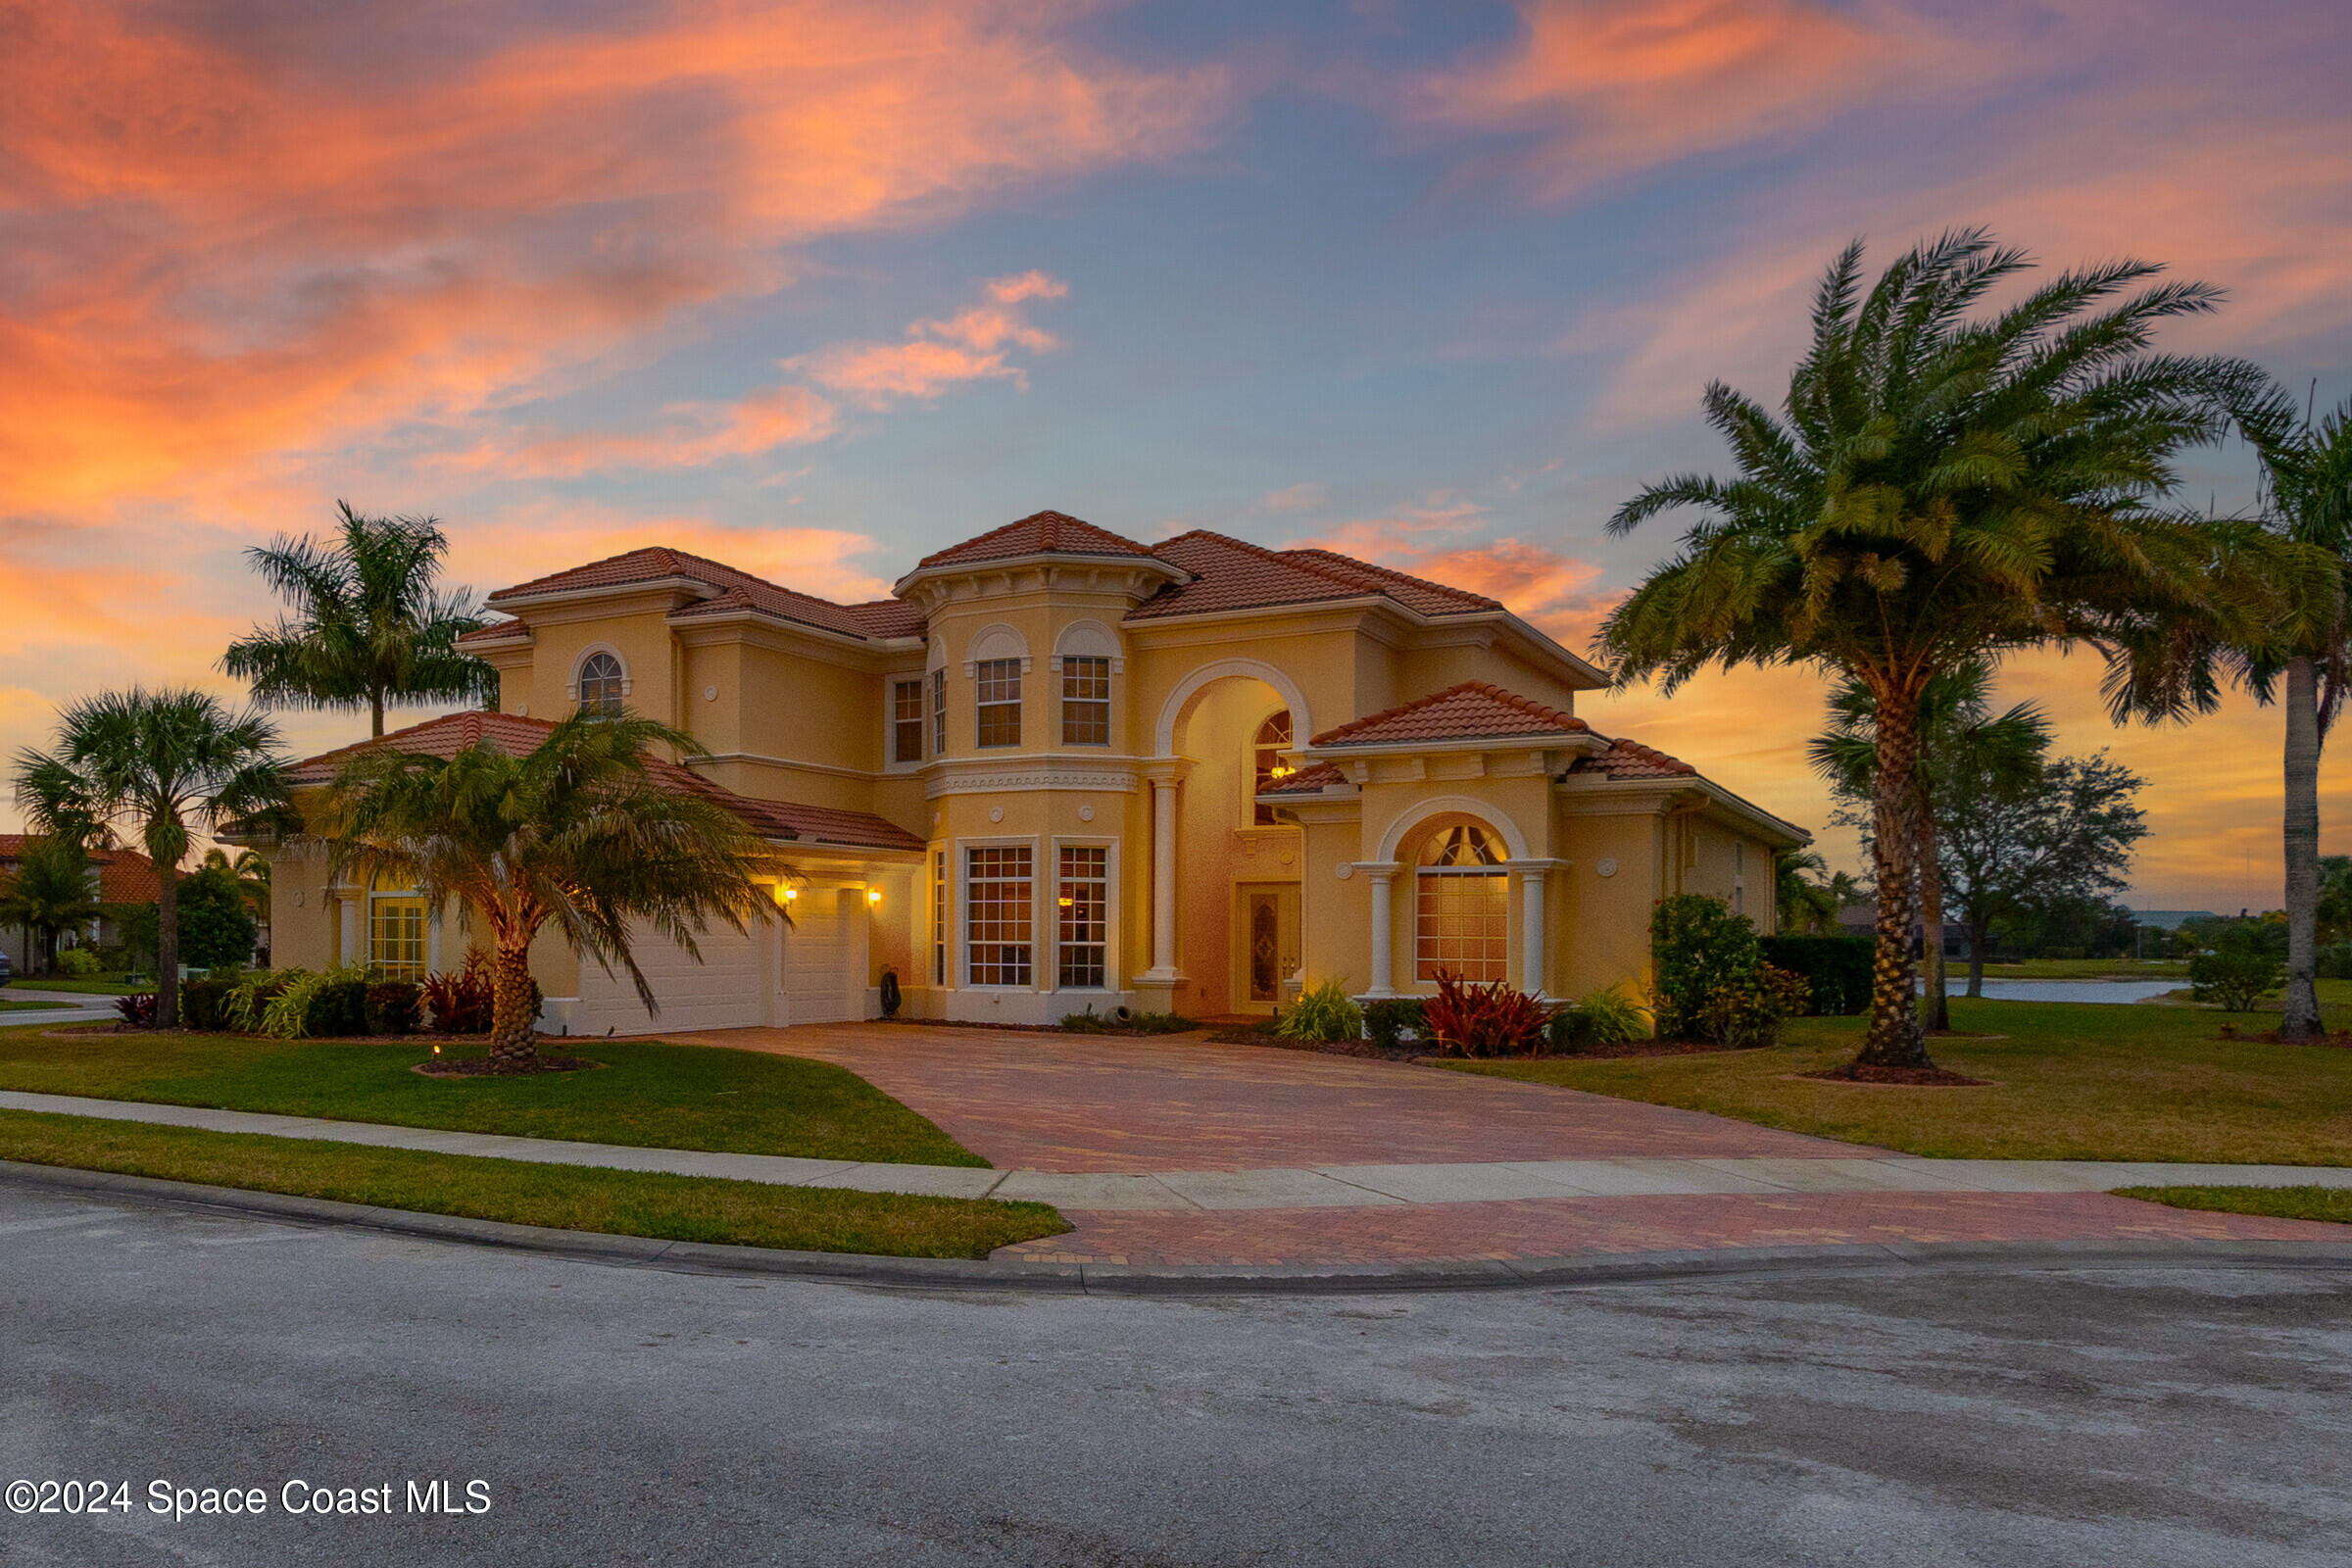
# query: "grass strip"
86, 987
685, 1208
2065, 1081
2332, 1204
32, 1007
647, 1094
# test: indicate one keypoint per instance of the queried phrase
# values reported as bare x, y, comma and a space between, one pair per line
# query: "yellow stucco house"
1061, 769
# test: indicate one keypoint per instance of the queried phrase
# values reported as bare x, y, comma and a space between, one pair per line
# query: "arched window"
601, 685
1461, 907
1266, 763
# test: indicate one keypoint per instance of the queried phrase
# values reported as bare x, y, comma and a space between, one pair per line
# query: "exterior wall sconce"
873, 895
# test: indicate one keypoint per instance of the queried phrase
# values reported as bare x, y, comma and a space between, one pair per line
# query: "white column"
1384, 931
1531, 882
349, 931
1163, 874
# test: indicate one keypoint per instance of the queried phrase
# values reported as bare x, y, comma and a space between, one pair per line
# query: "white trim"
1113, 980
997, 640
962, 954
1462, 805
580, 660
890, 721
1170, 712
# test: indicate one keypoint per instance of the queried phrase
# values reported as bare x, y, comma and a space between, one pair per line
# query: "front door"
1266, 941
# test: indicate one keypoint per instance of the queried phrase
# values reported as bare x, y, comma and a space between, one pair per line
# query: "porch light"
785, 895
873, 895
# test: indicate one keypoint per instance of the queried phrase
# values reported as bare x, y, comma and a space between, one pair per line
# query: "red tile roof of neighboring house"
1626, 758
736, 590
124, 876
1312, 779
1041, 533
1474, 709
1234, 574
451, 733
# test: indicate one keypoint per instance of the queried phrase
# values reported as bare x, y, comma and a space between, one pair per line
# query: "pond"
2063, 990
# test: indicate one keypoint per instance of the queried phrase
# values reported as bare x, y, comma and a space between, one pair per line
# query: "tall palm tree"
1805, 897
370, 626
159, 765
1956, 721
587, 832
1946, 485
49, 891
2307, 482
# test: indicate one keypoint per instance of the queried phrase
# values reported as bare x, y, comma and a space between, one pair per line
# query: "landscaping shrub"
204, 1004
2335, 961
2237, 977
1087, 1023
249, 1000
1699, 948
216, 924
1323, 1013
138, 1011
1741, 1014
1605, 1017
1484, 1020
1386, 1020
1836, 969
1160, 1023
460, 1000
393, 1006
339, 1008
77, 963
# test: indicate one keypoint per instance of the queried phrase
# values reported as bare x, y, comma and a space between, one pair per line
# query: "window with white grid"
939, 712
1461, 907
1081, 916
998, 692
997, 914
907, 722
1085, 702
938, 917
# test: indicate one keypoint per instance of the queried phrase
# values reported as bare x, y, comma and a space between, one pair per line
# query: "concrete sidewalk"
1290, 1188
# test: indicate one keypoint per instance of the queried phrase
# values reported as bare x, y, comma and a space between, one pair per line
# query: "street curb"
1112, 1279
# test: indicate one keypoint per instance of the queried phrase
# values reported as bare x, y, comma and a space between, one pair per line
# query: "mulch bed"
481, 1066
1854, 1072
2340, 1039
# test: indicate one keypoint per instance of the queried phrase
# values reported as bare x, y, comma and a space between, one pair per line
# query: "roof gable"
1041, 533
1474, 709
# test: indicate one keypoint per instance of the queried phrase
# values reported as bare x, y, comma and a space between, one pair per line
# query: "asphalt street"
627, 1415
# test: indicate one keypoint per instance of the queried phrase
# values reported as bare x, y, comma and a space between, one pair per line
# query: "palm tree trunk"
1895, 1039
1980, 932
2302, 845
513, 1047
1935, 1012
375, 711
167, 945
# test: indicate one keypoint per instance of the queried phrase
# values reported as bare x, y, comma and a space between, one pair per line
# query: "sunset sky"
815, 289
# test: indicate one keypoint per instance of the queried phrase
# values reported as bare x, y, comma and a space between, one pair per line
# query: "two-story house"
1061, 769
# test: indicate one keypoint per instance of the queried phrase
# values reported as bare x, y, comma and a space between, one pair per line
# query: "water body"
2062, 990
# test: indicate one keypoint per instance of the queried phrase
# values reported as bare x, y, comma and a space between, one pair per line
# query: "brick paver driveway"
1077, 1102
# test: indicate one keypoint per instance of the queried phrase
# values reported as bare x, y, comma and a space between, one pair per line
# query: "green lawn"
651, 1095
2069, 1081
2332, 1203
690, 1209
26, 1007
89, 988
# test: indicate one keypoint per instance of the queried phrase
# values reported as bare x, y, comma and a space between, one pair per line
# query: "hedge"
1835, 968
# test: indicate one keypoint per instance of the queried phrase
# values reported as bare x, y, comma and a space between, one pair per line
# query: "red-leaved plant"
460, 999
1484, 1020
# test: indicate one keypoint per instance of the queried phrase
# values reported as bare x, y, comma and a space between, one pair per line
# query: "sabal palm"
2307, 479
1947, 484
49, 891
1956, 725
578, 833
370, 627
158, 766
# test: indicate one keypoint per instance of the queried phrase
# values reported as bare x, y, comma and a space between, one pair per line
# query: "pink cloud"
1550, 590
937, 356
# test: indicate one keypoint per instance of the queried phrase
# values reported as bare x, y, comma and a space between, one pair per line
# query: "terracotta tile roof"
1235, 574
1473, 710
496, 631
124, 876
1626, 758
1312, 779
451, 733
1041, 533
735, 590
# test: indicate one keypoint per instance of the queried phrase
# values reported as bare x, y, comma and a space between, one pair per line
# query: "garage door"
824, 958
721, 992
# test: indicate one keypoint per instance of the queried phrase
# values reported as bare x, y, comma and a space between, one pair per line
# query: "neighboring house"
1061, 769
2170, 920
117, 876
1860, 918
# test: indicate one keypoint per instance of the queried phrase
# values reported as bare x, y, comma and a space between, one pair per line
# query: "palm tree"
587, 832
252, 872
1945, 487
159, 764
2307, 479
1956, 722
49, 891
1805, 898
370, 629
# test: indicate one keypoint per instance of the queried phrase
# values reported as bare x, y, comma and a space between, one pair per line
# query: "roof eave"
1581, 742
1713, 793
1039, 558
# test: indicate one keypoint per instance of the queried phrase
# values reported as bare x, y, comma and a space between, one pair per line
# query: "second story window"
601, 686
1266, 763
907, 722
939, 712
1085, 702
997, 684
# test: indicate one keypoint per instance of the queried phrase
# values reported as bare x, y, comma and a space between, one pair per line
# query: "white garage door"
721, 992
824, 958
